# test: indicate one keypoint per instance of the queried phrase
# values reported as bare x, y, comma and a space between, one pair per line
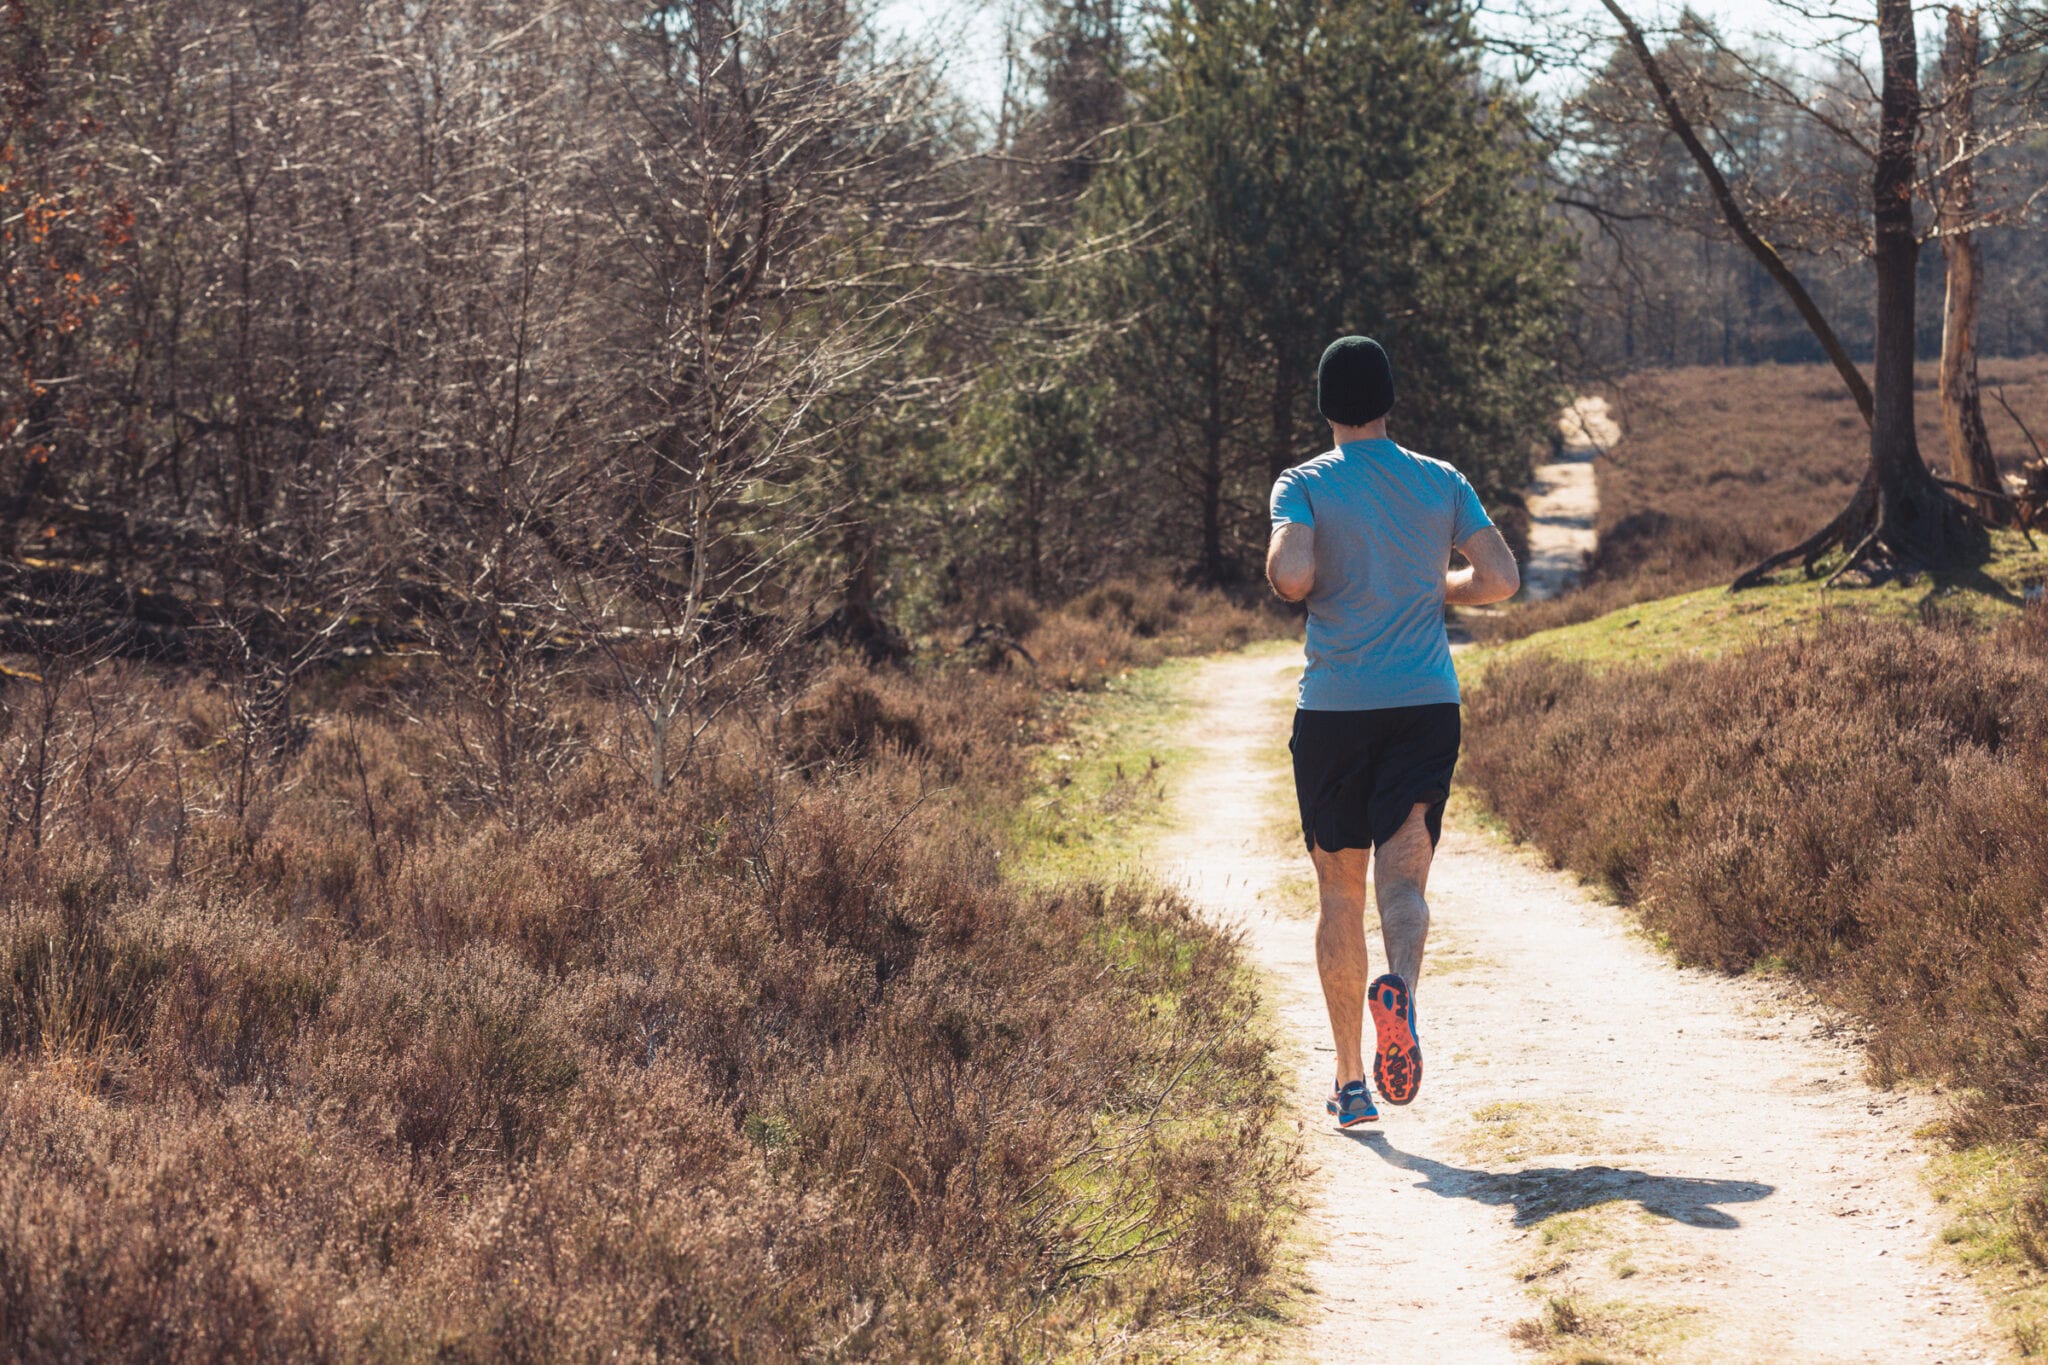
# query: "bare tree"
1900, 516
1737, 217
515, 332
773, 188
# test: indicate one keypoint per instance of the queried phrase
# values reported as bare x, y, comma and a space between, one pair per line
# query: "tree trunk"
1970, 459
1915, 516
1211, 569
1282, 452
658, 722
1962, 411
1212, 480
1034, 521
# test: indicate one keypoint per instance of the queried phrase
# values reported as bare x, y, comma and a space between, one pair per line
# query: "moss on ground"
1511, 1132
1098, 790
1714, 621
1577, 1264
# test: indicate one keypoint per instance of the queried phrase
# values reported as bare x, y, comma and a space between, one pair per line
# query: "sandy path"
1732, 1190
1563, 503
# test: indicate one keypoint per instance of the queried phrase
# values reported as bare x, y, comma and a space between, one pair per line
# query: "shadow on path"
1538, 1193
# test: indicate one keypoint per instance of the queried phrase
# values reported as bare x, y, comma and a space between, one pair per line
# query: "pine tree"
1312, 168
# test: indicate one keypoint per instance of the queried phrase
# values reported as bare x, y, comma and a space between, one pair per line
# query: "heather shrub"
1867, 804
845, 718
1015, 613
1122, 625
388, 1049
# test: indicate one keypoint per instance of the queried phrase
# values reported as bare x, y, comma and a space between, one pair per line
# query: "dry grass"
381, 1061
1718, 467
1866, 803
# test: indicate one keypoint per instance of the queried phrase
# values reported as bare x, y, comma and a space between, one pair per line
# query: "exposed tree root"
1886, 533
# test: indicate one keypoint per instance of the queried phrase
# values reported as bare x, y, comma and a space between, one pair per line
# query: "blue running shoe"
1397, 1060
1352, 1105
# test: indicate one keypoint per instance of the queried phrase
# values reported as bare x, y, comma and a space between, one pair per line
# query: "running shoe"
1352, 1105
1397, 1061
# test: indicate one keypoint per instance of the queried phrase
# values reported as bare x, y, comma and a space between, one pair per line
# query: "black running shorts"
1357, 774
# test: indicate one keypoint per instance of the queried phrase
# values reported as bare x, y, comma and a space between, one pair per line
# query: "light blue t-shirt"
1386, 520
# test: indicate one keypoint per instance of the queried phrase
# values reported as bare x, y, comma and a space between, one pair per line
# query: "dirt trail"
1692, 1166
1563, 503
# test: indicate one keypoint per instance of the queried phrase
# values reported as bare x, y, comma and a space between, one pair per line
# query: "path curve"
1732, 1189
1563, 500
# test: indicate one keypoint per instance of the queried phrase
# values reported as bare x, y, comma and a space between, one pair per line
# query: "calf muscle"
1400, 876
1341, 954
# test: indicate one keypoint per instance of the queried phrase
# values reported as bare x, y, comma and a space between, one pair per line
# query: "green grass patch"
1993, 1196
1097, 797
1714, 621
1510, 1132
1098, 791
1576, 1271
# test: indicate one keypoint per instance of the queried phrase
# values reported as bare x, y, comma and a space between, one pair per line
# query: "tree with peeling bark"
1970, 460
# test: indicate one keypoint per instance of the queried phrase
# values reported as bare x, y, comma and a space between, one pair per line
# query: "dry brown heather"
395, 1064
1718, 467
1864, 805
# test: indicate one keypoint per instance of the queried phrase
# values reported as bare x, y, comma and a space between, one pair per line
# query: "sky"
970, 33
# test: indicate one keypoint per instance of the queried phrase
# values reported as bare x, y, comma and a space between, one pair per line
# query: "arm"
1291, 561
1492, 576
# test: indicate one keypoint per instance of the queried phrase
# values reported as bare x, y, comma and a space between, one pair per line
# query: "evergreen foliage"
1308, 168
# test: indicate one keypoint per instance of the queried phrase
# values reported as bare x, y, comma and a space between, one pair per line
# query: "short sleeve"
1470, 518
1290, 501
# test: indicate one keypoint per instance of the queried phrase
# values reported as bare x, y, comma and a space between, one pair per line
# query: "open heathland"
1855, 797
1717, 468
383, 1048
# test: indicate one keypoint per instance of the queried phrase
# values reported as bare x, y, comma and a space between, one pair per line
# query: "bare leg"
1340, 952
1400, 874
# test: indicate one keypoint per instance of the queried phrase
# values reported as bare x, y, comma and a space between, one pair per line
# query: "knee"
1339, 918
1341, 910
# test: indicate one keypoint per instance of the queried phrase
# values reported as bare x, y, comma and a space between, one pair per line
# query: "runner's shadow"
1537, 1194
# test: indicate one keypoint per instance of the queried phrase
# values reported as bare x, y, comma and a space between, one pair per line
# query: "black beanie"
1354, 382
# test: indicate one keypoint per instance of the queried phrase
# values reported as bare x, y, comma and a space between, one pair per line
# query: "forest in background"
484, 328
477, 327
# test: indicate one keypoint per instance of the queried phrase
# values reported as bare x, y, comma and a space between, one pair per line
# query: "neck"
1375, 430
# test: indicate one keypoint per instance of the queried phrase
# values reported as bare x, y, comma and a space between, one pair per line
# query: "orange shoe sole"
1397, 1060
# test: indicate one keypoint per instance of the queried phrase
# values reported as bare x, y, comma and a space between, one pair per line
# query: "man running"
1365, 533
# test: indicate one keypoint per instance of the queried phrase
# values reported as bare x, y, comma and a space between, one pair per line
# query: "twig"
1998, 392
1973, 490
355, 750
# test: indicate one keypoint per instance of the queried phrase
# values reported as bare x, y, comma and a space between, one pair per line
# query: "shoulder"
1292, 489
1441, 469
1442, 473
1311, 469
